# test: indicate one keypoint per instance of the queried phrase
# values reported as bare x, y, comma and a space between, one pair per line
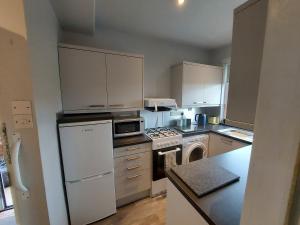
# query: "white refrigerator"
87, 157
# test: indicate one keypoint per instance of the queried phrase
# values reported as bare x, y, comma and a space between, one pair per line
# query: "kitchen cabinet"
219, 144
196, 85
132, 172
83, 79
124, 81
94, 80
247, 49
185, 214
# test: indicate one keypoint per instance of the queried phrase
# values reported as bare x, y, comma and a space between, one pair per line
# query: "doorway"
7, 215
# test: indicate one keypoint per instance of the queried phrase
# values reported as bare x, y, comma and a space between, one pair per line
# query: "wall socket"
23, 121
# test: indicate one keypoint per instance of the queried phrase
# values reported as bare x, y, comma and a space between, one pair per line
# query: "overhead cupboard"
95, 80
196, 85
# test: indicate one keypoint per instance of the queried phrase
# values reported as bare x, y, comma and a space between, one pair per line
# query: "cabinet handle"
204, 102
132, 149
133, 158
197, 102
133, 167
96, 106
134, 176
226, 141
116, 106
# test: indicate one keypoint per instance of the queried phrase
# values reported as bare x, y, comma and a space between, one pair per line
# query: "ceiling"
203, 23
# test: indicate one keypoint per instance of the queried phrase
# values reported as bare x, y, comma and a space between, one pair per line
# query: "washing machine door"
196, 152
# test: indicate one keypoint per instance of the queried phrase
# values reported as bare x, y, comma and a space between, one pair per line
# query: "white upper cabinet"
94, 80
124, 81
195, 85
83, 79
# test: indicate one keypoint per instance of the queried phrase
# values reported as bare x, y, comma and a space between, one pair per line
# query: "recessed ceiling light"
180, 2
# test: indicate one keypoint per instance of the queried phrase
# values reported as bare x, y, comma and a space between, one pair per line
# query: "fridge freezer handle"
16, 168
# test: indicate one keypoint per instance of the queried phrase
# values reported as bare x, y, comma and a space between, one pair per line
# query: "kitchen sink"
237, 133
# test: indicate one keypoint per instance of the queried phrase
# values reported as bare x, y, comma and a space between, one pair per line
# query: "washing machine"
194, 148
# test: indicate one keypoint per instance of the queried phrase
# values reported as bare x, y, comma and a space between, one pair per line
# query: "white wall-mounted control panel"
22, 114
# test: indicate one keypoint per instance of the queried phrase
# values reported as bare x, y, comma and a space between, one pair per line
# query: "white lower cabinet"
179, 210
219, 144
132, 173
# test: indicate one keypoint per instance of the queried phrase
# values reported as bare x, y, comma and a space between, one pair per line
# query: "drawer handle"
132, 149
133, 167
96, 106
133, 177
116, 105
226, 141
133, 158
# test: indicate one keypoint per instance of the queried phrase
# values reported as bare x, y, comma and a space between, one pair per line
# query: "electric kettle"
201, 119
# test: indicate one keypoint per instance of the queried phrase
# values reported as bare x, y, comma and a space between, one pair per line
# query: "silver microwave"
128, 126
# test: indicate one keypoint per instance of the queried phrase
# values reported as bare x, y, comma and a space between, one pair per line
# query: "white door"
87, 149
91, 199
83, 79
124, 81
193, 94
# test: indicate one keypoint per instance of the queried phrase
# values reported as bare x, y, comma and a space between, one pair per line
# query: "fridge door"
87, 149
91, 199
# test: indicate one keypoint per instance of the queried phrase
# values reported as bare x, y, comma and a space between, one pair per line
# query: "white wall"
12, 17
220, 56
43, 32
16, 84
159, 55
277, 123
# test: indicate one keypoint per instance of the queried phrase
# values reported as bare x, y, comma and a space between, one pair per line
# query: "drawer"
127, 165
132, 149
135, 183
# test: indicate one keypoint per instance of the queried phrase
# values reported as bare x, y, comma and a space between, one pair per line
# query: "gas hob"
163, 137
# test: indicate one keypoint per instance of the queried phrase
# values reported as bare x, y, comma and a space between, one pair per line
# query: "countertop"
204, 129
222, 207
132, 140
72, 118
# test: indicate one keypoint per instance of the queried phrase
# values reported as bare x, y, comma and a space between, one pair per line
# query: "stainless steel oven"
125, 127
159, 160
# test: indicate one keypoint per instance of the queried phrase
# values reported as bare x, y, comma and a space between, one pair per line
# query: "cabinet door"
193, 88
212, 82
124, 81
83, 79
219, 144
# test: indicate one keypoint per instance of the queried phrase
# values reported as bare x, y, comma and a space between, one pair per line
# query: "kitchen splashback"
162, 119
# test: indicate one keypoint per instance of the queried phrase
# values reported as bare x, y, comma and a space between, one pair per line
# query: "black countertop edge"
183, 190
132, 140
74, 118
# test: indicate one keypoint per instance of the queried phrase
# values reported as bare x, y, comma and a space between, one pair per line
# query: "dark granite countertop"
224, 206
133, 140
204, 129
72, 118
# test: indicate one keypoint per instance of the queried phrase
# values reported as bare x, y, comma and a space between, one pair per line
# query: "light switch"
23, 121
21, 107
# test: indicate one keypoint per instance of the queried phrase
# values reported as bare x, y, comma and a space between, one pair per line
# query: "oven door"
128, 128
161, 157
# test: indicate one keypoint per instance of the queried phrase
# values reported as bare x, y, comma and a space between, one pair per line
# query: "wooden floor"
150, 211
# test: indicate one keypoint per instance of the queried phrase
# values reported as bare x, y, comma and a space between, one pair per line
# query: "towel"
170, 160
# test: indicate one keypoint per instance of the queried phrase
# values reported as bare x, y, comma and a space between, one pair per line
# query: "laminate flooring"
149, 211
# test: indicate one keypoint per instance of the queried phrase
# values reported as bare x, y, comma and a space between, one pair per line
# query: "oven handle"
168, 152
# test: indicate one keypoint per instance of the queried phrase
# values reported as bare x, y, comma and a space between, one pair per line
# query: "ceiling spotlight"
180, 2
